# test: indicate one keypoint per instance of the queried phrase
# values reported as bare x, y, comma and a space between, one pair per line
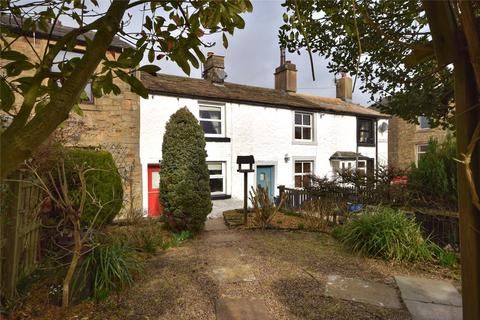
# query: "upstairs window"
303, 126
303, 173
65, 56
423, 123
366, 132
212, 119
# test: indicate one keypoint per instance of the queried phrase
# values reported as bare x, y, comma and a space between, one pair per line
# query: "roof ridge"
200, 88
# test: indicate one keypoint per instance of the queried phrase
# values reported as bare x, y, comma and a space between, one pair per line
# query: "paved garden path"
428, 299
258, 274
230, 267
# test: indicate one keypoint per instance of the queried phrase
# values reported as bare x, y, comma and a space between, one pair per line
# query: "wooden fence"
441, 229
19, 232
295, 198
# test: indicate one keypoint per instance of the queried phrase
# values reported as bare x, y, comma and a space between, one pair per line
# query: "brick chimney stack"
214, 68
344, 87
286, 74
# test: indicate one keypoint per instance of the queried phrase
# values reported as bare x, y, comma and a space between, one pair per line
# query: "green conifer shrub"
184, 176
104, 184
435, 176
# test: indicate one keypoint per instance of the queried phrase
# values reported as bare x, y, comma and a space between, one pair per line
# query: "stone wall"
403, 137
111, 122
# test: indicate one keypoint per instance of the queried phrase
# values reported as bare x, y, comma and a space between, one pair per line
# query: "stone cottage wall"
403, 137
111, 122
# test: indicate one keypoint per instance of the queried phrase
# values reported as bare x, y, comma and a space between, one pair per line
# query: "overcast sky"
253, 53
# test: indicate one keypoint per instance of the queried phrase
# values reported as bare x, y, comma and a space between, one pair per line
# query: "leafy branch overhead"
39, 87
386, 44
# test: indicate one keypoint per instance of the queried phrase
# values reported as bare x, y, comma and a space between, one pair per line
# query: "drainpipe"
376, 149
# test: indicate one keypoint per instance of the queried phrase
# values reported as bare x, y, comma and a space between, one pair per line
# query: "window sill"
304, 142
217, 139
220, 196
366, 144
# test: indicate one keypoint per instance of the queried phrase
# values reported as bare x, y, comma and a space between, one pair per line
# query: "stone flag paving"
230, 268
358, 290
428, 299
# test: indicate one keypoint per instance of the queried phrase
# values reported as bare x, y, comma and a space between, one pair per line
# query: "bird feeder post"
245, 165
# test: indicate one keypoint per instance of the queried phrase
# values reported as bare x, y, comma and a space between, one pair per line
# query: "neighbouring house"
291, 135
110, 122
407, 142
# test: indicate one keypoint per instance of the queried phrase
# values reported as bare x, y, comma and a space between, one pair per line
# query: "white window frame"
419, 126
223, 176
311, 126
302, 174
418, 152
364, 169
61, 57
222, 117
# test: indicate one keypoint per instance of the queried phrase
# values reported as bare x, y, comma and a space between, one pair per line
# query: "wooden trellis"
19, 232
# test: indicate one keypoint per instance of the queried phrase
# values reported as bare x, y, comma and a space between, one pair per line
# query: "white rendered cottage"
290, 135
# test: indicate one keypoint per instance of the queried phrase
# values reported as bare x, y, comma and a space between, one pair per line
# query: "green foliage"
185, 180
264, 210
170, 30
387, 234
104, 184
435, 177
108, 267
300, 226
386, 44
144, 235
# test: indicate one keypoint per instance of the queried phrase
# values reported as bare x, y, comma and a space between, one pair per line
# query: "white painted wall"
265, 132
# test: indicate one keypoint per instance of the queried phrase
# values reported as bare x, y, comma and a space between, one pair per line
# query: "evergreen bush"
435, 176
185, 180
104, 184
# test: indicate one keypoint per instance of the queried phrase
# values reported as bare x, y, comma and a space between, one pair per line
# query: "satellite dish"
383, 127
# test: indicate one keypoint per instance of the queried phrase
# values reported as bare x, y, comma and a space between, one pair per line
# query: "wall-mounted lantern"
286, 157
245, 165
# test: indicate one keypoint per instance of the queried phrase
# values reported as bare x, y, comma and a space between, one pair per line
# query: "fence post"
11, 232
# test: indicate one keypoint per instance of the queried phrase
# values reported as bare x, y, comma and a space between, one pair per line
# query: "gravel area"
290, 268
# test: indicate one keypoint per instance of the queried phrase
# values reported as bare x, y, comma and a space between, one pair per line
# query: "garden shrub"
104, 184
110, 266
185, 180
264, 210
389, 234
144, 235
434, 179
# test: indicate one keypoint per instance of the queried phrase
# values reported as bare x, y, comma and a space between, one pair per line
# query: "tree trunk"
73, 264
467, 116
18, 143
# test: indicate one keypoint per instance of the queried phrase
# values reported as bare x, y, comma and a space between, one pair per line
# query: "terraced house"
291, 135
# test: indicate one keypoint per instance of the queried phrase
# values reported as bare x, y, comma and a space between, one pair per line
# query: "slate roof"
230, 92
347, 155
58, 32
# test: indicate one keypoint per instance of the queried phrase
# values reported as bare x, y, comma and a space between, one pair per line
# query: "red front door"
154, 206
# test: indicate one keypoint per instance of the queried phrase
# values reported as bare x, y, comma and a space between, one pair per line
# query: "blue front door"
265, 177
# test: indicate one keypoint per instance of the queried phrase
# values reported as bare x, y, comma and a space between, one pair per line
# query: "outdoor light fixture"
245, 165
286, 158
